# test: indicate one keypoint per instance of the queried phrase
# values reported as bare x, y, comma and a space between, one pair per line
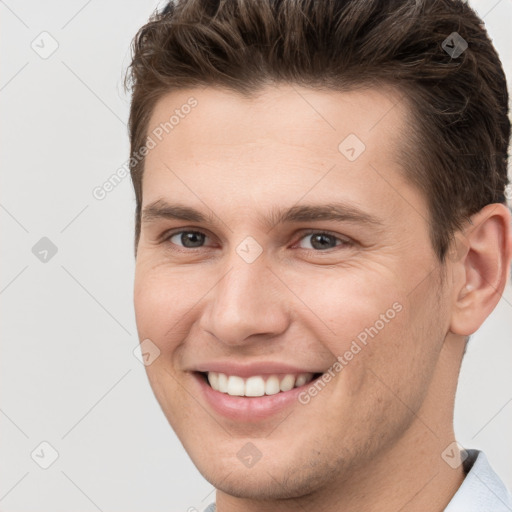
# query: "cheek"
164, 300
372, 328
349, 308
163, 315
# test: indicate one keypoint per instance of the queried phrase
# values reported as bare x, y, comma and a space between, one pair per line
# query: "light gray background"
68, 373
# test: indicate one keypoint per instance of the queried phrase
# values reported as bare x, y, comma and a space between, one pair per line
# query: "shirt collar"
482, 490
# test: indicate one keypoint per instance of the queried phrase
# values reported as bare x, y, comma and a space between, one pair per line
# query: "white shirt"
481, 491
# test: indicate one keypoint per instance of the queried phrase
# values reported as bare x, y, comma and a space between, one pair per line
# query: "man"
320, 226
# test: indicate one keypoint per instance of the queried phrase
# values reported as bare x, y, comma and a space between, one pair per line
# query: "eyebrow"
332, 211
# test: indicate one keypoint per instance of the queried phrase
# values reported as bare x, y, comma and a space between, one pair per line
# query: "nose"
248, 302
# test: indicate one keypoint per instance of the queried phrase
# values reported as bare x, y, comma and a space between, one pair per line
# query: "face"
279, 237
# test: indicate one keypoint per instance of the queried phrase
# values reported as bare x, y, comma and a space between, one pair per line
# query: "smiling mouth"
258, 385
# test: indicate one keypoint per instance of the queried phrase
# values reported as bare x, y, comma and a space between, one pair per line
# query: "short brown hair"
457, 148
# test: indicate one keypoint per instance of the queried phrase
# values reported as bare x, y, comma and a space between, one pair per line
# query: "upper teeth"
256, 385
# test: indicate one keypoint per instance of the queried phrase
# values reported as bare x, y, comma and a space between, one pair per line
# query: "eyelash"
344, 242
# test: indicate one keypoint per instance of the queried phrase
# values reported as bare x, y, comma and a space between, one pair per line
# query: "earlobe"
482, 267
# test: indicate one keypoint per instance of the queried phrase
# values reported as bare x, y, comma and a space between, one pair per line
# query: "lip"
258, 368
248, 409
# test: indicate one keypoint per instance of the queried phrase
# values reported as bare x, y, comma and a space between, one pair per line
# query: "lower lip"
249, 409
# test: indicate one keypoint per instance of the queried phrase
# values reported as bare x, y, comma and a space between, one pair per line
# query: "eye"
322, 240
187, 239
315, 240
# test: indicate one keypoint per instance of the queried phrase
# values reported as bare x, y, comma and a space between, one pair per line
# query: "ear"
481, 256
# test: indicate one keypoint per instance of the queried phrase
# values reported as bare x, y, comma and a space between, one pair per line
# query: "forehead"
284, 112
284, 141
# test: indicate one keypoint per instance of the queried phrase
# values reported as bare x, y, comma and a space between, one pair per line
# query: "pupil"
323, 237
193, 237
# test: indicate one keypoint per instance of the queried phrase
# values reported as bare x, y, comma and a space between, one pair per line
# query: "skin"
372, 439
